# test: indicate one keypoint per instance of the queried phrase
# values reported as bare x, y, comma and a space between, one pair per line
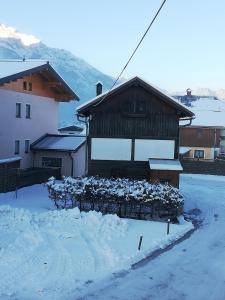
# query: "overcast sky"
185, 48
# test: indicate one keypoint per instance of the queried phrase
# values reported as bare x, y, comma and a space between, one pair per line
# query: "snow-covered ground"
50, 254
193, 269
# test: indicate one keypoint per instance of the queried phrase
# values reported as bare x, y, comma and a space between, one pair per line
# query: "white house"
30, 92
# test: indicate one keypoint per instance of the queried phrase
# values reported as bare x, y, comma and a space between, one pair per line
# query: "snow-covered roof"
209, 112
58, 142
9, 160
184, 150
11, 67
165, 164
166, 96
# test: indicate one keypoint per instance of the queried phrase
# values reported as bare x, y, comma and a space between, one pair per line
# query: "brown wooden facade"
133, 111
200, 136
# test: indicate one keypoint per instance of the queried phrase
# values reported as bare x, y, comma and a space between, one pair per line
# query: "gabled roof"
71, 128
58, 142
14, 69
84, 108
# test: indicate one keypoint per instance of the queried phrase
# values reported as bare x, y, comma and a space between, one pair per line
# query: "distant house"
30, 92
202, 142
134, 132
60, 151
73, 129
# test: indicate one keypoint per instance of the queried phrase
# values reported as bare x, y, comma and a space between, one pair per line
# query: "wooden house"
133, 131
202, 142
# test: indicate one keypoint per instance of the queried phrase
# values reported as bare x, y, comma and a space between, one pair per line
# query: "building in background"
72, 129
30, 93
202, 142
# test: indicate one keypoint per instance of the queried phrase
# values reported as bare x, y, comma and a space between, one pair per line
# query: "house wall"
66, 169
172, 177
44, 119
200, 137
79, 162
209, 152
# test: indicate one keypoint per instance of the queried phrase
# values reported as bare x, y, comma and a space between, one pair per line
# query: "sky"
185, 47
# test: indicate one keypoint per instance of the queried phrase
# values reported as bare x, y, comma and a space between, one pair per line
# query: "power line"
135, 50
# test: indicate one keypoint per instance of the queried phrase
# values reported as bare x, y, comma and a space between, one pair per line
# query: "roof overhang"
60, 84
165, 164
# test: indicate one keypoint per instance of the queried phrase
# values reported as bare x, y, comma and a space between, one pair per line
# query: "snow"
8, 160
193, 269
184, 150
10, 32
209, 112
165, 164
51, 254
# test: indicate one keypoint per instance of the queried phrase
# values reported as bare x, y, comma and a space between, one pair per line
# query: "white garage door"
145, 149
110, 149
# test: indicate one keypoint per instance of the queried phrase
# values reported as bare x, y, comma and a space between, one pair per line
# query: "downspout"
214, 150
70, 154
85, 120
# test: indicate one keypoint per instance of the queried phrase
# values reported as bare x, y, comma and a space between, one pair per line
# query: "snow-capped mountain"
80, 75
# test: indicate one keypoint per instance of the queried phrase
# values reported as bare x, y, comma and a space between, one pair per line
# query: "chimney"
98, 88
188, 92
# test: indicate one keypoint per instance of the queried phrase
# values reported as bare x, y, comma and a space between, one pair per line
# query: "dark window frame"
133, 107
25, 85
30, 86
199, 151
17, 147
18, 110
51, 162
28, 111
26, 146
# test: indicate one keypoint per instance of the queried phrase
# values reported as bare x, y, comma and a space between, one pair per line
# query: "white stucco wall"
79, 162
66, 169
44, 119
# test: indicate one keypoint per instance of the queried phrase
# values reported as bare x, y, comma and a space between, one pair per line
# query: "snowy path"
193, 269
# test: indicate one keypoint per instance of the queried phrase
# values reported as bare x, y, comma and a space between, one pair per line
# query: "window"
28, 110
27, 146
52, 162
17, 147
199, 154
30, 86
134, 107
25, 85
18, 110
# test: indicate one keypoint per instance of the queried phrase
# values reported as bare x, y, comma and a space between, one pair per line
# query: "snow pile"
49, 255
112, 190
10, 32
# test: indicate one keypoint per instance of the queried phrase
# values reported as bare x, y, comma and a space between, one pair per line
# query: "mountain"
80, 75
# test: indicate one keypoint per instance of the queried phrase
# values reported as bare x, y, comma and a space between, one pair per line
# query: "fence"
12, 179
142, 211
216, 167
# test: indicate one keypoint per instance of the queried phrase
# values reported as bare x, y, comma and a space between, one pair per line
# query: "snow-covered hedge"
72, 192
